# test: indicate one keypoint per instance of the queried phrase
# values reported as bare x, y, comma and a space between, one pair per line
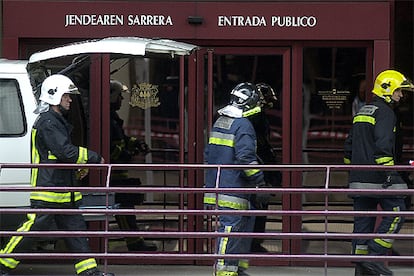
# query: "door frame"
372, 53
205, 122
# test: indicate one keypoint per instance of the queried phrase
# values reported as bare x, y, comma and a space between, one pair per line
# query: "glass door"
336, 82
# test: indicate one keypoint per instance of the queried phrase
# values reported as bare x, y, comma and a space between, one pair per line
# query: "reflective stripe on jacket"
227, 201
371, 141
233, 141
51, 144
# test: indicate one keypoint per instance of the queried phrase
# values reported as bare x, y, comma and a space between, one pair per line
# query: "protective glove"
142, 148
387, 183
82, 173
261, 200
136, 146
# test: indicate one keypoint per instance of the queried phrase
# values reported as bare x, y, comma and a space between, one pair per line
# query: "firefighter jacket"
232, 141
371, 141
265, 150
123, 147
51, 143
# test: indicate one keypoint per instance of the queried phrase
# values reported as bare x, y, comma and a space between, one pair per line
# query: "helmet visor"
72, 89
407, 85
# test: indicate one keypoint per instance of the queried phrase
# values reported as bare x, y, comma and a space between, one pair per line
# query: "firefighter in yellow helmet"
371, 141
51, 143
123, 148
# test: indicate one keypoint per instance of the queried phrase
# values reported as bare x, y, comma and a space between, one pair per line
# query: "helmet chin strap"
388, 99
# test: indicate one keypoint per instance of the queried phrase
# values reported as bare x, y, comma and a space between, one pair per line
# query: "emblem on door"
144, 95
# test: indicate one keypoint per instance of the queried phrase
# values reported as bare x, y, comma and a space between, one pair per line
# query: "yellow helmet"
388, 81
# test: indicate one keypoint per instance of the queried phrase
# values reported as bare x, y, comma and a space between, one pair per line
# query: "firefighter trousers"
42, 222
233, 245
388, 224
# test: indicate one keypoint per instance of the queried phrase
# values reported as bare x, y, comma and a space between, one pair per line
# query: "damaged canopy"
118, 45
78, 53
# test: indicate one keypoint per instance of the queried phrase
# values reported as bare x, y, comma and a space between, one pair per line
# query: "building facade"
316, 54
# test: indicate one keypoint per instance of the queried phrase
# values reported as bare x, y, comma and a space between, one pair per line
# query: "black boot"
242, 272
95, 272
141, 245
4, 271
257, 246
362, 271
377, 267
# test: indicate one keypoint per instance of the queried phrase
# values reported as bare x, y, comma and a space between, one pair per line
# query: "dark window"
333, 88
12, 121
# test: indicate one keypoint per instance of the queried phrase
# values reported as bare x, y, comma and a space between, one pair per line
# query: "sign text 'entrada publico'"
167, 20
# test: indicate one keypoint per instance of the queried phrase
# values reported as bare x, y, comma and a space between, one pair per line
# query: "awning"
118, 45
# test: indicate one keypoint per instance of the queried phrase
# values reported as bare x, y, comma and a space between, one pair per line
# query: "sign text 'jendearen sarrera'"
167, 20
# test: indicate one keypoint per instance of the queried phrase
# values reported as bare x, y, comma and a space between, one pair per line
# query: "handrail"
106, 233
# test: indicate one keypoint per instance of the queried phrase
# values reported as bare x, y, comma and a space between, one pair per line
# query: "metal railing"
182, 189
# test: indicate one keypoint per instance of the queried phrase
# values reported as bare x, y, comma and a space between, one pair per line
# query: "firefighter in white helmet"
51, 143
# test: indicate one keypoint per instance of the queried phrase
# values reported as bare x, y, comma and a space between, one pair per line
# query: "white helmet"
53, 88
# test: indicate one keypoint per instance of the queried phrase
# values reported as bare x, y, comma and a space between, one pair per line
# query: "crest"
144, 95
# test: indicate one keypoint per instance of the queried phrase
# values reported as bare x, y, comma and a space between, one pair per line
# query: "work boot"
377, 267
4, 271
362, 271
242, 272
142, 245
95, 272
258, 248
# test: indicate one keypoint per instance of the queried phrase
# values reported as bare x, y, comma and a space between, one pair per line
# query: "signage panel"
288, 20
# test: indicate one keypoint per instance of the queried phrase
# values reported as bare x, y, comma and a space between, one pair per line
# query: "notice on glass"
334, 99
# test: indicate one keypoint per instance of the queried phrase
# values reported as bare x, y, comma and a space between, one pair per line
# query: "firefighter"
265, 153
371, 141
123, 148
51, 143
233, 141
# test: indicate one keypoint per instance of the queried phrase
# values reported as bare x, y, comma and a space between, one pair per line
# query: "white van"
19, 88
17, 103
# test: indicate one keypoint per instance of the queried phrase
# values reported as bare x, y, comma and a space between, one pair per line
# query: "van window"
12, 121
